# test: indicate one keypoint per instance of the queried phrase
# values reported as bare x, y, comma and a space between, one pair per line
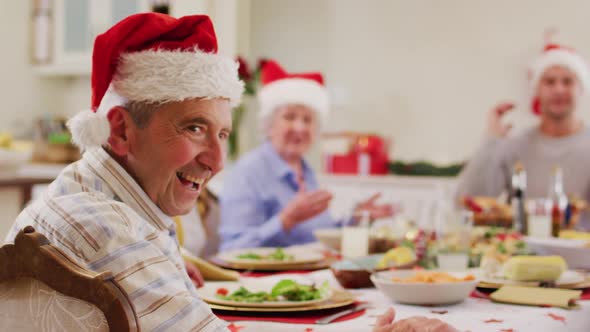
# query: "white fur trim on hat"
92, 129
158, 76
560, 57
89, 129
164, 76
293, 91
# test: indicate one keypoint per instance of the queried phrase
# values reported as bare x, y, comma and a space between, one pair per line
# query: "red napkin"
308, 317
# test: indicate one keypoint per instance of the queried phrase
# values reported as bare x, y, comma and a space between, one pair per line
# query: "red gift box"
368, 154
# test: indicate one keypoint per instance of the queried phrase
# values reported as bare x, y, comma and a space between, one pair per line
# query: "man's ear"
120, 122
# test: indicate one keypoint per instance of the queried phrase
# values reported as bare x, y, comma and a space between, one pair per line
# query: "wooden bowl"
357, 273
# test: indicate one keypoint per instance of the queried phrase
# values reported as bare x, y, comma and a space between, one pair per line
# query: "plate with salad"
271, 256
258, 294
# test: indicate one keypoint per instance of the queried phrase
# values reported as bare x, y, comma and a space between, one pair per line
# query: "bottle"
559, 201
517, 200
355, 239
40, 33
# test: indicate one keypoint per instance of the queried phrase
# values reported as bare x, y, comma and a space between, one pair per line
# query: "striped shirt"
97, 214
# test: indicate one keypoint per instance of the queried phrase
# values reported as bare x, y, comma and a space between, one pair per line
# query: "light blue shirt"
259, 187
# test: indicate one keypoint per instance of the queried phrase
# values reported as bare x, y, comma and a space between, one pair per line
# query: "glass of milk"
355, 238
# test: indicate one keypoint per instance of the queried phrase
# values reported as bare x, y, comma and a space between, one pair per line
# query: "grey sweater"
489, 172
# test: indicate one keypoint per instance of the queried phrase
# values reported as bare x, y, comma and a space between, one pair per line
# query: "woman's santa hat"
153, 58
281, 88
557, 55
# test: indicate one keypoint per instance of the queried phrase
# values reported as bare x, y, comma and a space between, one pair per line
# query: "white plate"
567, 278
422, 293
573, 251
300, 256
208, 294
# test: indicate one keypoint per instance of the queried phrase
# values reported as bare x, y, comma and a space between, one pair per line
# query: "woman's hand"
304, 206
385, 323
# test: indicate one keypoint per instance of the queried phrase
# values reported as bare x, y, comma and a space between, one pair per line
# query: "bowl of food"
14, 153
488, 211
356, 273
425, 287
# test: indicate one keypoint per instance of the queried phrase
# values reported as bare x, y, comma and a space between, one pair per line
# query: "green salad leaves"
284, 290
278, 255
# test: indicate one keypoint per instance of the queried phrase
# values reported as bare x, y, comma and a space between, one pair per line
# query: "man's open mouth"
190, 181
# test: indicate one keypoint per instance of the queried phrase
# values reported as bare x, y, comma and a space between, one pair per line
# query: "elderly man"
160, 118
559, 78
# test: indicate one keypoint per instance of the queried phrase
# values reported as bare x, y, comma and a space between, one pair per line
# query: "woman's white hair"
265, 121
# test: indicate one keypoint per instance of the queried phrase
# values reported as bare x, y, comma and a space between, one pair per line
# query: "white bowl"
573, 251
330, 237
10, 159
422, 293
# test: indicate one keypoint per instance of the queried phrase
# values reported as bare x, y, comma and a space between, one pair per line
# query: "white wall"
23, 93
425, 72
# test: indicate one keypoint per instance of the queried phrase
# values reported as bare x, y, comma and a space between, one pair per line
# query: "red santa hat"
281, 88
153, 58
557, 55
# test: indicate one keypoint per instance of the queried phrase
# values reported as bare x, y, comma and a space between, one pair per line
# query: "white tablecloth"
467, 316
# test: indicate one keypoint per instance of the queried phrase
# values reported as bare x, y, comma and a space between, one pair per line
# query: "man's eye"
195, 129
223, 136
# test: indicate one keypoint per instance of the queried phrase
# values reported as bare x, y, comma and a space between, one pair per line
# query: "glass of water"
539, 217
453, 230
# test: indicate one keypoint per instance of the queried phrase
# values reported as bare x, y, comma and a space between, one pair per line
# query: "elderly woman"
271, 198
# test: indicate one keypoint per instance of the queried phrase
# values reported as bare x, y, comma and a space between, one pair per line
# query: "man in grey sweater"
559, 77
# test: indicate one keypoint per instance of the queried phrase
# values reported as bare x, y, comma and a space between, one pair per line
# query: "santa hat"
153, 58
557, 55
281, 88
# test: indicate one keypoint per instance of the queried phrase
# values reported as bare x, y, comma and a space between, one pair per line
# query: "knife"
331, 318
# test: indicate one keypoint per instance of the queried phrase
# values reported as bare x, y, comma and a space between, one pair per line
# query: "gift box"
364, 154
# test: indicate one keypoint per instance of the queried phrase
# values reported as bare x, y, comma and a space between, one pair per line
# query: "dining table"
477, 313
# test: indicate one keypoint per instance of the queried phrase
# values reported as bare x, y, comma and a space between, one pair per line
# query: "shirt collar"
280, 167
126, 188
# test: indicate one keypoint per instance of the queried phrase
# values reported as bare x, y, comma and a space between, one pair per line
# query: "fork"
331, 318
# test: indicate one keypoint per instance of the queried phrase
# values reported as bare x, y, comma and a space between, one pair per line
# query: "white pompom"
89, 129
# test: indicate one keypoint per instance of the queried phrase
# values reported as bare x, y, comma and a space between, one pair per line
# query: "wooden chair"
209, 211
41, 289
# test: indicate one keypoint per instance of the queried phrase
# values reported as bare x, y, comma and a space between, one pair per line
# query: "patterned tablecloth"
476, 315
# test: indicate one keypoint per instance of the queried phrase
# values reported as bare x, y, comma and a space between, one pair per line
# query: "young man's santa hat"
281, 88
153, 58
557, 55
